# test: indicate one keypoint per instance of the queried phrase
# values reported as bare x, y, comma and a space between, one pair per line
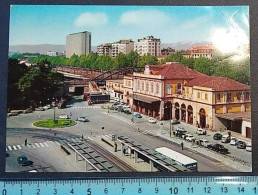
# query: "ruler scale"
146, 186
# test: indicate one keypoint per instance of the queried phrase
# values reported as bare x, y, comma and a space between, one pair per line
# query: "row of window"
240, 96
148, 86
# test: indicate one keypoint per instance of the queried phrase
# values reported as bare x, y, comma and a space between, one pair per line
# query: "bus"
178, 158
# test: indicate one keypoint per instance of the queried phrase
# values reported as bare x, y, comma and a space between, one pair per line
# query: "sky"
50, 24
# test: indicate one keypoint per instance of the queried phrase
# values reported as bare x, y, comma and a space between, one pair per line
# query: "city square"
130, 100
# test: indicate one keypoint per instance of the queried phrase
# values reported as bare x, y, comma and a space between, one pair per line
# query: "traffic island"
50, 123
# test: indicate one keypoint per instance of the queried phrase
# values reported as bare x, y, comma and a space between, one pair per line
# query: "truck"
86, 95
98, 98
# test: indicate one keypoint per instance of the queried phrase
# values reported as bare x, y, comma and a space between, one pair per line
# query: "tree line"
220, 65
31, 85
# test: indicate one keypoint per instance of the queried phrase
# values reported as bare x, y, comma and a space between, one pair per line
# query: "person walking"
82, 136
137, 128
25, 142
182, 145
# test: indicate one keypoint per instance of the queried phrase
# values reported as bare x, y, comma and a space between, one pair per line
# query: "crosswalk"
45, 144
83, 107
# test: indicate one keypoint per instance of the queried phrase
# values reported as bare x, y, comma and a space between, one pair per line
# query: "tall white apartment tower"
148, 44
78, 43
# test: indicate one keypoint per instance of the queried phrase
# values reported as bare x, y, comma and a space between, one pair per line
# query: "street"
102, 122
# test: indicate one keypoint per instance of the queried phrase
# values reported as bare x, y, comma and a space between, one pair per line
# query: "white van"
200, 131
225, 139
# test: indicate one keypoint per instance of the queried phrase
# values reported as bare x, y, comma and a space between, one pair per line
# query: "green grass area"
50, 123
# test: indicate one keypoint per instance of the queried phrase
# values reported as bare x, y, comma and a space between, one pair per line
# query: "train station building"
174, 91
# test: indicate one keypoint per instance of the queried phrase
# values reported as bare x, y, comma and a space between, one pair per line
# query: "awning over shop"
245, 116
146, 99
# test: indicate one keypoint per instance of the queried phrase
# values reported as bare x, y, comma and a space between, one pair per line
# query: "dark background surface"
4, 43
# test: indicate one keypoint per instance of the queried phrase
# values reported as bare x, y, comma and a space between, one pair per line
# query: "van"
225, 139
200, 131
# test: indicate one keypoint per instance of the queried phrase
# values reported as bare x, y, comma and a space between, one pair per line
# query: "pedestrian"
220, 129
137, 128
193, 142
25, 142
54, 134
124, 151
82, 136
182, 145
115, 146
205, 133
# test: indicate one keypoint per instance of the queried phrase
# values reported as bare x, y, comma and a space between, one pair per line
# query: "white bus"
178, 158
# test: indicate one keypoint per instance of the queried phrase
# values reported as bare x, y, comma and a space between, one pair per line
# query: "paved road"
102, 123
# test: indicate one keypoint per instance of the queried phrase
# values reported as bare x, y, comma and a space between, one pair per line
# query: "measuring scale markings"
145, 186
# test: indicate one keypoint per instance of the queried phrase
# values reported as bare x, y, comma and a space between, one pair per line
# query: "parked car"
201, 131
12, 114
127, 112
225, 139
152, 121
23, 160
241, 145
64, 116
190, 138
218, 148
28, 110
46, 107
83, 119
217, 136
203, 142
180, 129
249, 147
233, 141
112, 107
39, 108
186, 135
54, 104
138, 115
174, 122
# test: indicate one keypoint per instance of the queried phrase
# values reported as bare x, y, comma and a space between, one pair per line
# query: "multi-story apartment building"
205, 51
115, 89
52, 53
104, 49
148, 44
173, 91
122, 46
167, 51
78, 43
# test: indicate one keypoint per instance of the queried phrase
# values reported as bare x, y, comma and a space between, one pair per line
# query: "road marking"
57, 143
33, 146
45, 144
18, 146
14, 147
90, 138
42, 145
37, 145
10, 148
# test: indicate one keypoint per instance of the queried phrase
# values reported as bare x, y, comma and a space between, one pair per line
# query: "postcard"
128, 89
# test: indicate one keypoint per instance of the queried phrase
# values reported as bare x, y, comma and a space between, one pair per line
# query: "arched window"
168, 89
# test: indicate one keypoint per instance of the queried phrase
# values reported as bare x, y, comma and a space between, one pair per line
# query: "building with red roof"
205, 51
174, 91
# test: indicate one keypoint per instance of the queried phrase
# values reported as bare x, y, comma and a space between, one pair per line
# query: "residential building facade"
115, 89
128, 90
78, 43
205, 51
149, 45
104, 49
173, 91
122, 46
52, 53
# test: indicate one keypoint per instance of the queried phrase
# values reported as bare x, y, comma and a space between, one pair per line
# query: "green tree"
174, 57
148, 59
203, 65
189, 62
121, 60
133, 58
